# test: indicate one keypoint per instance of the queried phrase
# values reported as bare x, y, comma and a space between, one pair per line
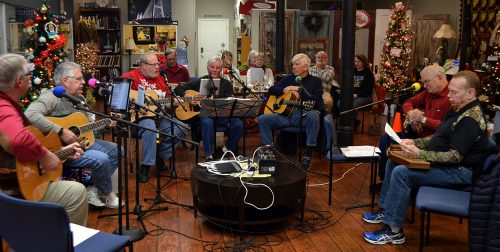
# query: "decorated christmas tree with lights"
395, 58
44, 50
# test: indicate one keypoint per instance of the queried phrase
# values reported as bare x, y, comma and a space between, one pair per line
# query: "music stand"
231, 107
120, 104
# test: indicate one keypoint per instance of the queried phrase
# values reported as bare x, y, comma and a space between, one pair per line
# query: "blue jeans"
400, 180
383, 145
233, 125
310, 122
360, 101
102, 158
148, 139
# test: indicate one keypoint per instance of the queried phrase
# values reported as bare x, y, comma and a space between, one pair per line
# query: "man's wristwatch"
424, 120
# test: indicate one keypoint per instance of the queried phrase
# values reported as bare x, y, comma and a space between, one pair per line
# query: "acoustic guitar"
192, 110
32, 179
285, 104
148, 102
79, 124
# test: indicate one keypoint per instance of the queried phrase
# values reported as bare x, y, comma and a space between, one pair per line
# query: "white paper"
360, 151
81, 233
392, 134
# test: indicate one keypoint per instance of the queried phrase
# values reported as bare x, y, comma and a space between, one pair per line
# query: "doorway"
213, 38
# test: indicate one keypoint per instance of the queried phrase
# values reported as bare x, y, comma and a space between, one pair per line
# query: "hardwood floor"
328, 228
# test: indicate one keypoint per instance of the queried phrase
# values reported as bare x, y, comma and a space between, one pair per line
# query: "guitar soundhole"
196, 108
276, 106
75, 130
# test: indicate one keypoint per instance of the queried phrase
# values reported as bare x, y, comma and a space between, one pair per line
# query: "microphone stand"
212, 90
302, 90
134, 233
386, 100
245, 88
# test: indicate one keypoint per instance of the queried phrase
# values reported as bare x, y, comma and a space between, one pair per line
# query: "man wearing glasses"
148, 76
101, 157
424, 111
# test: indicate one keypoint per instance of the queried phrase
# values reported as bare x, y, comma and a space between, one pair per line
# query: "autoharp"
399, 156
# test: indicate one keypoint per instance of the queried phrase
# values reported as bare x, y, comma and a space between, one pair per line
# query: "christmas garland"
313, 22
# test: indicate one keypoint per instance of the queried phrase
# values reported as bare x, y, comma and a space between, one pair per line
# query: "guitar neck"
64, 154
95, 125
164, 101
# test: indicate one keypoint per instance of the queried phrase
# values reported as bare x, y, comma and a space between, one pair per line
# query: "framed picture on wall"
310, 46
143, 34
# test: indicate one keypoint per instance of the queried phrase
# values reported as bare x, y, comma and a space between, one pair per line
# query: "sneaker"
306, 162
111, 200
93, 197
374, 218
384, 236
209, 158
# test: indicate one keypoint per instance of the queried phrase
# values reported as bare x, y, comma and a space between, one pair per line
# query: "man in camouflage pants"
457, 147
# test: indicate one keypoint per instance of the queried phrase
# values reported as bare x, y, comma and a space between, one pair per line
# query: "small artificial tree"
395, 58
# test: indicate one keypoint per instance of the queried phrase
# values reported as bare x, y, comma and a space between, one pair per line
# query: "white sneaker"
93, 197
112, 200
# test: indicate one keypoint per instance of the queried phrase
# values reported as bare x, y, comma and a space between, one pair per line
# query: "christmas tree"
395, 58
490, 86
44, 50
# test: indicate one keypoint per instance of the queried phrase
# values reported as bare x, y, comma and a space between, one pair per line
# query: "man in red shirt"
175, 73
15, 80
148, 76
424, 111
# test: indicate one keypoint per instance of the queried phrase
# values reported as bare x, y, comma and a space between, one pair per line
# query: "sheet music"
140, 95
360, 151
81, 233
257, 75
392, 134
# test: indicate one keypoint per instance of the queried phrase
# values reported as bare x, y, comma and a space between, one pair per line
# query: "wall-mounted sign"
250, 4
362, 19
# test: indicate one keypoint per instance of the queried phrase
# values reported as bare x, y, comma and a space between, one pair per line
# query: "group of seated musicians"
456, 148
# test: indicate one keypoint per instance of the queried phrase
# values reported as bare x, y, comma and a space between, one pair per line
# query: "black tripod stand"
134, 233
158, 198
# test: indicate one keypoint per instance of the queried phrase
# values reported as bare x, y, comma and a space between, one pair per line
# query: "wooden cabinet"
104, 24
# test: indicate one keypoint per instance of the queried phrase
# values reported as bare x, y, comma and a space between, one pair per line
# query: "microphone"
93, 82
298, 80
164, 75
60, 93
414, 87
227, 71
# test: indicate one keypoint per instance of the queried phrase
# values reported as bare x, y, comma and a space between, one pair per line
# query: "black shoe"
306, 162
144, 174
218, 152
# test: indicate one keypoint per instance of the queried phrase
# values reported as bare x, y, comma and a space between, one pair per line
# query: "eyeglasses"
76, 78
157, 64
429, 80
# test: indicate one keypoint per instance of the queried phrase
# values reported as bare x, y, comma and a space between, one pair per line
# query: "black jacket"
484, 212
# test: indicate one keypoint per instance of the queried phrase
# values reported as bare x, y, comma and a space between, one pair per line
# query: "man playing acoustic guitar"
312, 91
207, 124
15, 79
148, 76
101, 157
